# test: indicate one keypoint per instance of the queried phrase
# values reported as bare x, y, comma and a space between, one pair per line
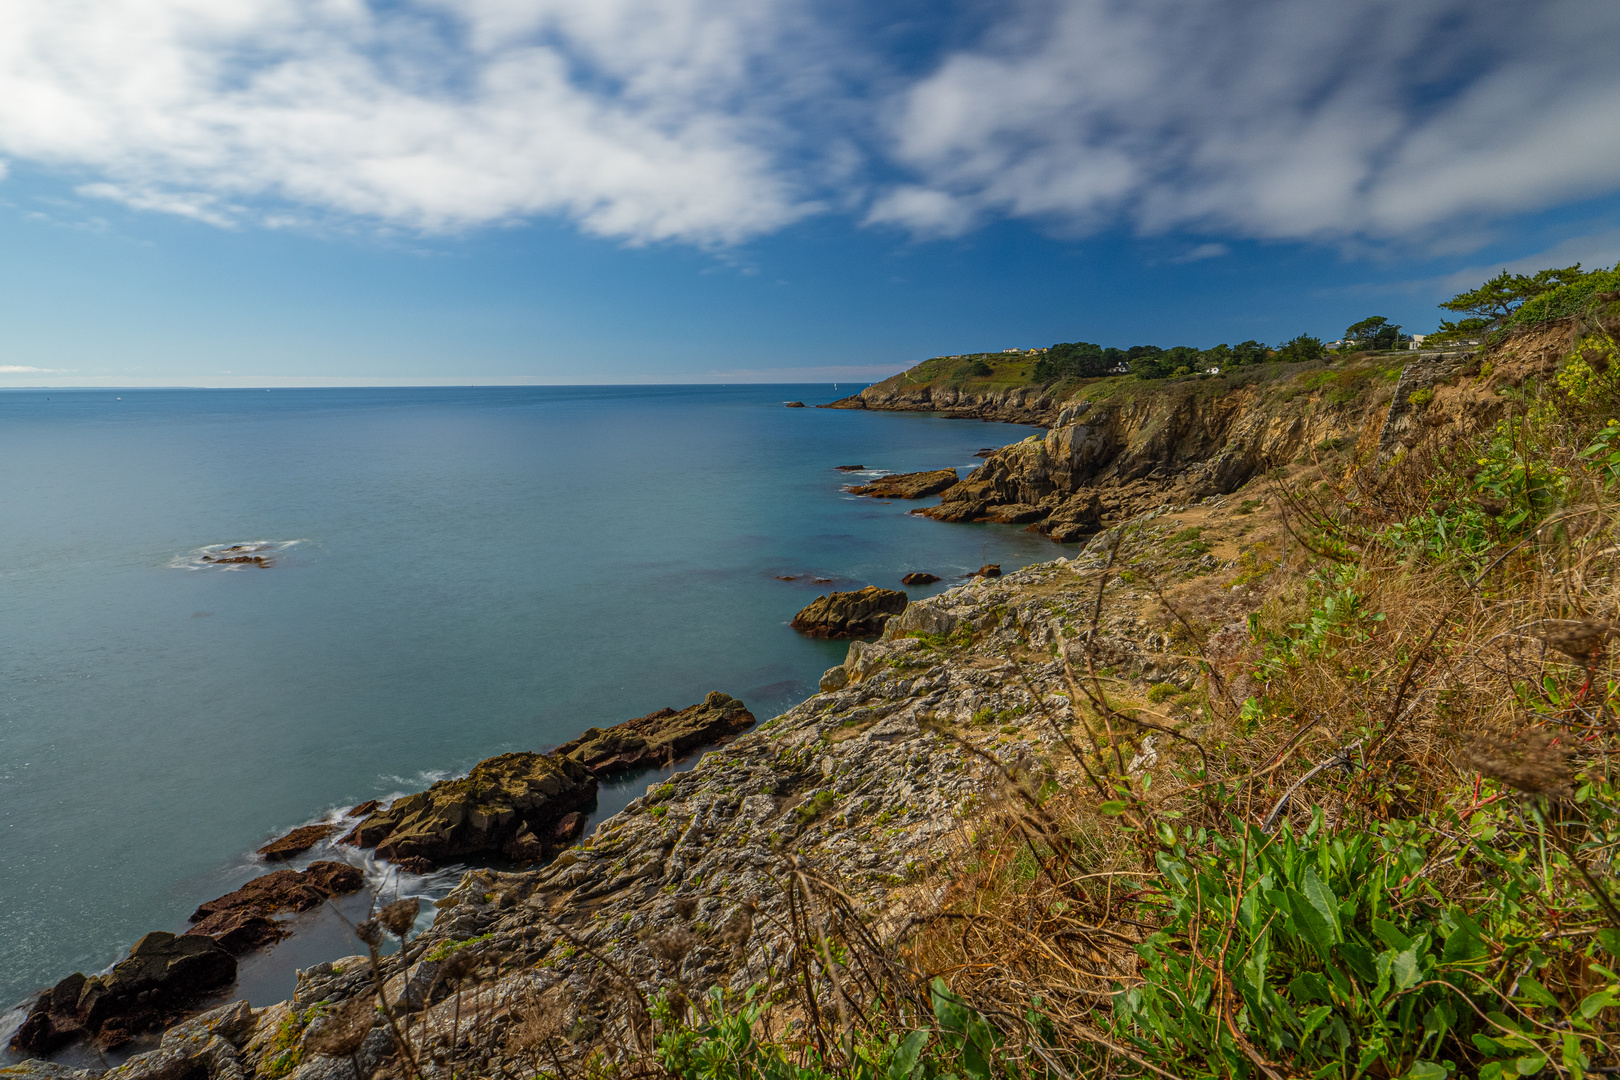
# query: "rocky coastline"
871, 782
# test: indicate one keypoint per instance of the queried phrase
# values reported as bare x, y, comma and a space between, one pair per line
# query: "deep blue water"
476, 571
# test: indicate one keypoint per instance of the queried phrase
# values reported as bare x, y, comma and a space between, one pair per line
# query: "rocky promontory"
659, 739
861, 613
914, 485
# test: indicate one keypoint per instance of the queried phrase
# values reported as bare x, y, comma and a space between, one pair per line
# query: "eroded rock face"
163, 975
850, 614
916, 485
659, 738
480, 813
241, 921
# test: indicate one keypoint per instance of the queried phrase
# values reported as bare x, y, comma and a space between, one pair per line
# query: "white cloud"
713, 121
640, 119
1272, 119
1202, 252
24, 369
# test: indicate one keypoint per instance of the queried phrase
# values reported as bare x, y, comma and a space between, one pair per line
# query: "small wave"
246, 555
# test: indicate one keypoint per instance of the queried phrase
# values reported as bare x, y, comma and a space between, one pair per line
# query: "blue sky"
277, 192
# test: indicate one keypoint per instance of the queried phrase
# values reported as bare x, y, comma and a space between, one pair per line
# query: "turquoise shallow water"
475, 571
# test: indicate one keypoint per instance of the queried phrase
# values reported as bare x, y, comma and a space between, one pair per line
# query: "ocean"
457, 573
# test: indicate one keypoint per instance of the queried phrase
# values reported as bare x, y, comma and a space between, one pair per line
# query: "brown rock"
568, 828
240, 921
917, 577
296, 842
793, 404
849, 468
1078, 516
367, 807
163, 975
915, 485
658, 738
987, 570
481, 812
1014, 513
850, 614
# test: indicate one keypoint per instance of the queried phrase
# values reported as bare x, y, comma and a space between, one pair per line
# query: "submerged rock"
296, 842
917, 485
658, 738
850, 614
480, 813
163, 975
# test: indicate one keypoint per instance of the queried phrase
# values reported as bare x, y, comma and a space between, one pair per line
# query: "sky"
331, 192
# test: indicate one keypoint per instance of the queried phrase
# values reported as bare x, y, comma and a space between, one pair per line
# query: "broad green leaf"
1313, 1020
1310, 986
1406, 971
1360, 960
1592, 1004
1537, 993
1531, 1064
905, 1058
1113, 808
1390, 936
1426, 1070
1323, 900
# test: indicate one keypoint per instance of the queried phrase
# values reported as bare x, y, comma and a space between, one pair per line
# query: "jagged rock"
794, 404
1014, 513
296, 842
1078, 516
917, 577
987, 570
850, 614
240, 921
659, 738
368, 807
916, 485
162, 976
481, 812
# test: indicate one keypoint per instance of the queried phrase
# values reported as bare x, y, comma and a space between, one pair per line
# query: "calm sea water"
463, 572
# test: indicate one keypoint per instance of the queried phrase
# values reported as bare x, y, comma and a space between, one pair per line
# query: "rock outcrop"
163, 975
915, 485
850, 614
918, 577
502, 801
241, 921
296, 842
659, 738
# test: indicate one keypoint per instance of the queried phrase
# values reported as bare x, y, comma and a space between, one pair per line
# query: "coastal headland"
1121, 684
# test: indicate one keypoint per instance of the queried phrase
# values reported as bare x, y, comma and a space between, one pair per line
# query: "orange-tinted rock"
917, 485
296, 842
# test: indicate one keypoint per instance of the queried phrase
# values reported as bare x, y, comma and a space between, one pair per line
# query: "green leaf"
1592, 1004
1313, 1020
1531, 1064
905, 1058
1537, 993
1426, 1070
1406, 971
1310, 986
1113, 808
1323, 900
1390, 936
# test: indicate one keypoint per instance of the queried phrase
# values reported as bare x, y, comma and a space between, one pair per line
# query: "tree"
1145, 362
1303, 347
1375, 332
1071, 360
1249, 352
1494, 302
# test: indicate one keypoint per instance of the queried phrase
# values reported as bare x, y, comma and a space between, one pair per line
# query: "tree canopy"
1374, 332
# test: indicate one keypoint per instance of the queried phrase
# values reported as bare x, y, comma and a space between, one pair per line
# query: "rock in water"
480, 813
793, 404
296, 842
916, 485
241, 921
161, 977
917, 577
658, 738
989, 569
850, 468
850, 614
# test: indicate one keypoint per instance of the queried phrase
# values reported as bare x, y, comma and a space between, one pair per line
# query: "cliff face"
1141, 444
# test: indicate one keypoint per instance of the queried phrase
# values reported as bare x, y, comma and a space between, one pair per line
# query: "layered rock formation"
659, 738
916, 485
850, 614
296, 842
505, 801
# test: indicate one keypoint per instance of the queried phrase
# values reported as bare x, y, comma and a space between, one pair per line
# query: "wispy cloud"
24, 369
713, 121
1202, 252
1271, 119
